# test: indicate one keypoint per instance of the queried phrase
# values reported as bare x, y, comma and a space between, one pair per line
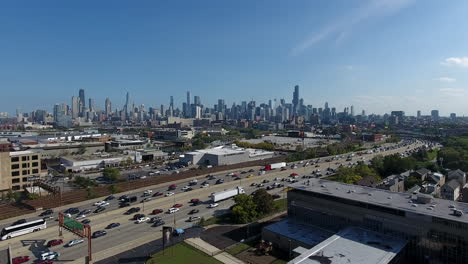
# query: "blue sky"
378, 55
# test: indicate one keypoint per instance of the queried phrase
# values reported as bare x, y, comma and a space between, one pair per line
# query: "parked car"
99, 233
113, 225
19, 260
54, 242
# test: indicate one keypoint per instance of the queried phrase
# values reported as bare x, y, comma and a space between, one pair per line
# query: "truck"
216, 197
275, 166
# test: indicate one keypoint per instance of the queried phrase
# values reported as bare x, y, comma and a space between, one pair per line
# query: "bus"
23, 229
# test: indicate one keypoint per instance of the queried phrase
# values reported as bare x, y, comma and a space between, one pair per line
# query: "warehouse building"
224, 156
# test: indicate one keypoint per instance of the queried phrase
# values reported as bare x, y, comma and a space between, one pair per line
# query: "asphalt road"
33, 244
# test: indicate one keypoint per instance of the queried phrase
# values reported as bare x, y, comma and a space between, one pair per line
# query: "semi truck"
275, 166
216, 197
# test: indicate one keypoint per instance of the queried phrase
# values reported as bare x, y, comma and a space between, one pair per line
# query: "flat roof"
353, 245
306, 234
402, 201
19, 153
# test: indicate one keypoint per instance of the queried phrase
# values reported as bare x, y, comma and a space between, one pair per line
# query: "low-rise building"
450, 190
393, 183
224, 156
18, 169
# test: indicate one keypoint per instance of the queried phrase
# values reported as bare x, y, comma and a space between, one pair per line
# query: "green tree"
113, 189
244, 210
90, 193
111, 174
84, 182
263, 201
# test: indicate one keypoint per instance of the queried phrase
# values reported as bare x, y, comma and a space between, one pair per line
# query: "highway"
33, 244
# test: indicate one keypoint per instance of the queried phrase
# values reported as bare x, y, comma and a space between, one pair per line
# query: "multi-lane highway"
129, 234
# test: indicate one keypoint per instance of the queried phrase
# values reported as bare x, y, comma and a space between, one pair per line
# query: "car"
250, 176
172, 187
113, 225
172, 210
49, 255
159, 223
99, 209
283, 169
194, 211
80, 217
194, 200
132, 210
219, 181
123, 197
54, 242
157, 211
243, 172
142, 220
193, 218
156, 194
213, 205
237, 178
136, 216
99, 203
86, 221
185, 188
19, 260
205, 185
155, 219
85, 212
148, 192
19, 222
124, 204
316, 166
169, 194
251, 170
177, 205
109, 198
74, 242
47, 212
99, 233
72, 210
235, 175
147, 199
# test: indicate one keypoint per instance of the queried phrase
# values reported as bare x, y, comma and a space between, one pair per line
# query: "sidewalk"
211, 250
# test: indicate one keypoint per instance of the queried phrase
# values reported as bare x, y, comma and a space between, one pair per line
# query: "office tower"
399, 114
58, 112
221, 105
19, 115
91, 105
270, 104
82, 103
75, 107
352, 110
326, 105
171, 102
108, 106
453, 116
196, 100
127, 104
188, 108
435, 115
163, 110
295, 100
363, 113
418, 114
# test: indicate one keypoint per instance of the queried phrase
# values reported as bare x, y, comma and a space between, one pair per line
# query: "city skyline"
348, 53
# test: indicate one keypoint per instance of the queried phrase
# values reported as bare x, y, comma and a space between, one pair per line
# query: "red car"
173, 187
177, 205
157, 194
54, 242
194, 200
157, 211
293, 174
19, 260
283, 169
235, 175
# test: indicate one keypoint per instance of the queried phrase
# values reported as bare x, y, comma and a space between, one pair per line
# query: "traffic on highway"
139, 215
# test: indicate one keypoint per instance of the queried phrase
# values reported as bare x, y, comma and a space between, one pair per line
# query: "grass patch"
241, 247
280, 205
222, 219
182, 253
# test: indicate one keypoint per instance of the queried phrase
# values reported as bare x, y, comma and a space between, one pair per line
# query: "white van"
49, 255
173, 210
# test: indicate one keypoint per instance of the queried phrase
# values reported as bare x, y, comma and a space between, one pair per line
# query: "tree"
111, 174
81, 149
263, 201
12, 196
245, 209
113, 189
90, 193
84, 182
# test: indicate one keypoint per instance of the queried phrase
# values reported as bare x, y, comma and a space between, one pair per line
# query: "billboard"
167, 235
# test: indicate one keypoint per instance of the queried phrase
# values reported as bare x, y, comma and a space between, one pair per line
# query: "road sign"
76, 228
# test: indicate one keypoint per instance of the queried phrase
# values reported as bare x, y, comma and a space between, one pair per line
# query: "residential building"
451, 190
393, 183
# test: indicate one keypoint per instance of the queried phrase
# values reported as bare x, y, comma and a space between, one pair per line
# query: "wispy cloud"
456, 61
341, 28
456, 92
445, 79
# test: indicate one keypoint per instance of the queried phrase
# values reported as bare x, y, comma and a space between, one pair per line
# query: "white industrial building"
223, 155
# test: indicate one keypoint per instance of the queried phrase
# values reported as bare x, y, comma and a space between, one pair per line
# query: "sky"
378, 55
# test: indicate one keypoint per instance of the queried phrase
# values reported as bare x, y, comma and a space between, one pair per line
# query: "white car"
173, 210
185, 188
81, 216
74, 242
142, 220
148, 192
49, 255
205, 185
169, 194
213, 205
100, 203
193, 218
